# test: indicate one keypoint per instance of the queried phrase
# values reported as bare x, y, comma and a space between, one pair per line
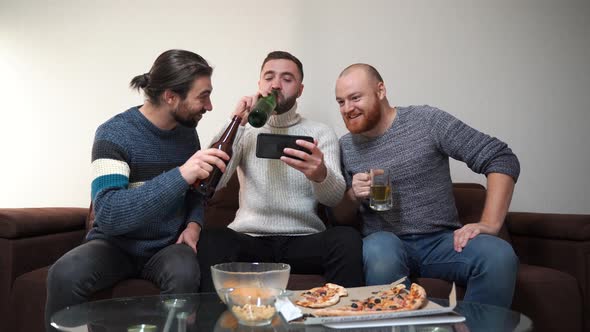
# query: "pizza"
321, 297
394, 299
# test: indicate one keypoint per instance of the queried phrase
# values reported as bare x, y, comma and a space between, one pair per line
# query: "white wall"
519, 70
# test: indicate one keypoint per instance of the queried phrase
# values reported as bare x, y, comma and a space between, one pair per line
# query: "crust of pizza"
417, 297
341, 291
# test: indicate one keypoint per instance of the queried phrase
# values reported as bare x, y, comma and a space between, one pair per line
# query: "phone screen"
271, 145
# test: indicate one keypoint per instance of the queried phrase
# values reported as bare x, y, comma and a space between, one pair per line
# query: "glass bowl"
253, 275
252, 306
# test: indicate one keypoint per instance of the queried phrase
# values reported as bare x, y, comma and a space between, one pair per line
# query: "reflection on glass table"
205, 312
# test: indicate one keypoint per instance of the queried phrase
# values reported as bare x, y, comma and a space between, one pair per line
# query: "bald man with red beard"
421, 236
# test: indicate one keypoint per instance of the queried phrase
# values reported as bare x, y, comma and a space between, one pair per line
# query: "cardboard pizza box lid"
443, 313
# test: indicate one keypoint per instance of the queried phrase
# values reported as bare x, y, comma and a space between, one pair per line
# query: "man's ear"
381, 90
300, 90
170, 97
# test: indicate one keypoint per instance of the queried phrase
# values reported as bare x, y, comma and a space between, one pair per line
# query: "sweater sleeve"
120, 209
330, 191
482, 153
196, 212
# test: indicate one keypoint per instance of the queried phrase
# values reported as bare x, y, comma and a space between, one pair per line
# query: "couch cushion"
27, 301
541, 290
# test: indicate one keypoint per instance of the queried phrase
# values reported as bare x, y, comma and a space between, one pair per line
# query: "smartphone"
271, 145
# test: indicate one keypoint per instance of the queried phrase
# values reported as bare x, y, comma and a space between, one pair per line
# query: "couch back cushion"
469, 199
221, 209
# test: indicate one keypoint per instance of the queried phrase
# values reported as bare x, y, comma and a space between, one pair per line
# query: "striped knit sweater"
416, 150
276, 199
140, 199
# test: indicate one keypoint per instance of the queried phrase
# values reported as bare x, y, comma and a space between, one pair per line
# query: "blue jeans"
97, 265
487, 266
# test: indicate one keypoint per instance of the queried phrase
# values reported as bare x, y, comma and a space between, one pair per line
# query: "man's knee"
383, 258
382, 249
379, 243
68, 272
496, 254
503, 257
61, 273
183, 271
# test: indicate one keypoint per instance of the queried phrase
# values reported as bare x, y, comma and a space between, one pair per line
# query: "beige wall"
519, 70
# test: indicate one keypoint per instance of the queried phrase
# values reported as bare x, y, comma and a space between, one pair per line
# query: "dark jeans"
336, 253
97, 264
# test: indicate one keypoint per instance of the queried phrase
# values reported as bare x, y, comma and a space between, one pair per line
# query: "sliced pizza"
321, 297
395, 299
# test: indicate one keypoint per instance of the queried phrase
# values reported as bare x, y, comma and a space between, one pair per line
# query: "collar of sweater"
286, 119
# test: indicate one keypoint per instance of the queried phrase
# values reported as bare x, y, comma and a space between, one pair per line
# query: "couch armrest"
28, 222
557, 241
31, 238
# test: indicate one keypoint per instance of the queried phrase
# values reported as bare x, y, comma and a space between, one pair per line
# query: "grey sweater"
416, 150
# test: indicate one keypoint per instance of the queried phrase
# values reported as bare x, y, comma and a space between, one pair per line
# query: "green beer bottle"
262, 109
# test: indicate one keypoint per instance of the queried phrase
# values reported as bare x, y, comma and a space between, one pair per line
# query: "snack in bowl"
321, 297
394, 299
253, 275
252, 305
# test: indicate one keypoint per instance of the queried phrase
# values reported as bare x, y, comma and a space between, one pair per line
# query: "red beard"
364, 122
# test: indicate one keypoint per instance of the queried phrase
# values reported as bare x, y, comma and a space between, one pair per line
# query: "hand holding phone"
312, 166
271, 146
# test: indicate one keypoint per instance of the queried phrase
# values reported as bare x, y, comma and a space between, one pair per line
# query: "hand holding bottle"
244, 107
257, 108
208, 185
202, 163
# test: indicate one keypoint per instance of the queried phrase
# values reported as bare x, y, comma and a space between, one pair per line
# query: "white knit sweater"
276, 199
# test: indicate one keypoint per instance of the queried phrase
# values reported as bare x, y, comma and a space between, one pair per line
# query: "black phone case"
271, 145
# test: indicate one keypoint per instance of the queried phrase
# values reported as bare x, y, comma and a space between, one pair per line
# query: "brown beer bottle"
207, 186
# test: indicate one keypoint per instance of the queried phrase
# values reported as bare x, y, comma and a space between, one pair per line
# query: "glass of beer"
380, 197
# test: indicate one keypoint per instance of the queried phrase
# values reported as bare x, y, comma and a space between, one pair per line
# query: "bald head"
369, 70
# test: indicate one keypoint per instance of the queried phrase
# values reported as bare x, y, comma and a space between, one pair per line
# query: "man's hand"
200, 164
468, 232
190, 235
499, 193
245, 105
361, 186
311, 164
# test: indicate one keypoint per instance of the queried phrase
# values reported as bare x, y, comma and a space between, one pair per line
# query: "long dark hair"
175, 70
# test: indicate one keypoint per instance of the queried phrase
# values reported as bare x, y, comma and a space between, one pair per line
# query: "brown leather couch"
553, 283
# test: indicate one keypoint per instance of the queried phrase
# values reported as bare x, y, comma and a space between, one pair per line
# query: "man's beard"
285, 105
368, 121
189, 121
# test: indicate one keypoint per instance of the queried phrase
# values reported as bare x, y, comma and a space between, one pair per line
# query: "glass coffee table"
205, 312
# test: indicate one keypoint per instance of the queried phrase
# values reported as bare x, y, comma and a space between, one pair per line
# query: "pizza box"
430, 314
